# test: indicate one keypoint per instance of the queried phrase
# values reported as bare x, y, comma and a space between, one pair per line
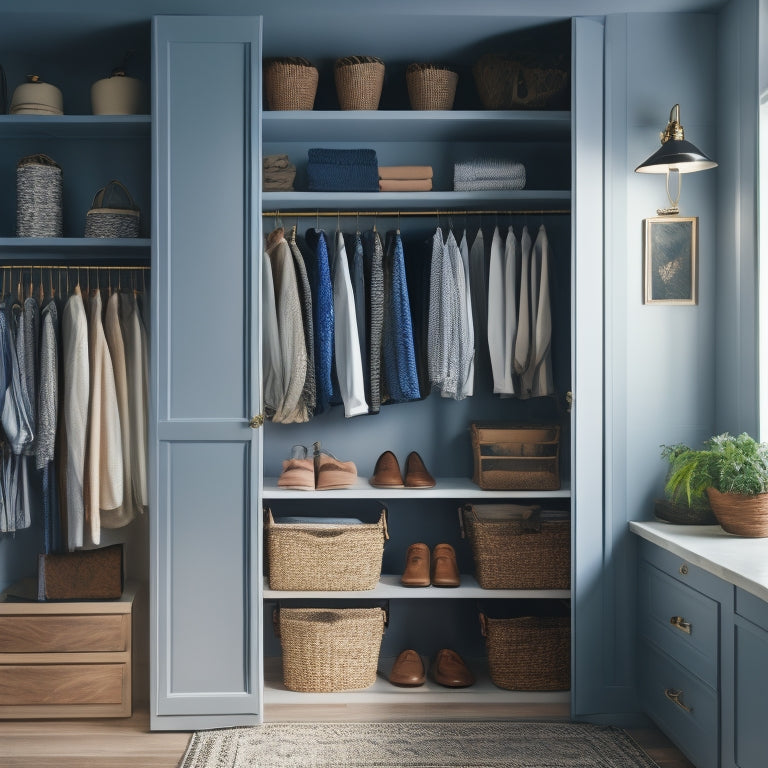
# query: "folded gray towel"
473, 170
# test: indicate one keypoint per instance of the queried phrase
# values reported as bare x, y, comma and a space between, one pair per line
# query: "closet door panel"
206, 460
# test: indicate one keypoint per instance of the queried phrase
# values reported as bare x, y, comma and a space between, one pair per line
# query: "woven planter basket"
504, 82
739, 514
324, 557
290, 83
528, 653
519, 554
431, 86
38, 197
326, 650
113, 213
359, 80
682, 514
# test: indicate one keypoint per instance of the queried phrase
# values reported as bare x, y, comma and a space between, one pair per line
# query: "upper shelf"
101, 250
411, 125
75, 126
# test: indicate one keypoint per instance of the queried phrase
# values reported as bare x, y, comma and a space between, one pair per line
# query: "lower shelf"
382, 692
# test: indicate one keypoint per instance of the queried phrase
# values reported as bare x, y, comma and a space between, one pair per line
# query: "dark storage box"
90, 574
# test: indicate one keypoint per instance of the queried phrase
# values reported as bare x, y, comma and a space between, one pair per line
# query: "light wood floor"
128, 743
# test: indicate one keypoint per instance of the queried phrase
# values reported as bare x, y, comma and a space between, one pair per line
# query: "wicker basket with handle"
359, 81
113, 213
290, 83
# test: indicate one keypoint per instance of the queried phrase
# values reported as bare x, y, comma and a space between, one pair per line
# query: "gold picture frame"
671, 247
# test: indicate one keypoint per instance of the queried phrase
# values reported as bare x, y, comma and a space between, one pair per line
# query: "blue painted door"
205, 458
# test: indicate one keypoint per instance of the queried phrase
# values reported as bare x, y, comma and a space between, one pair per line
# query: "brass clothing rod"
311, 214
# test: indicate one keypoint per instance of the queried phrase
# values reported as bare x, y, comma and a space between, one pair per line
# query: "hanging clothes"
523, 338
19, 430
121, 515
418, 264
479, 289
137, 376
399, 359
354, 248
76, 389
292, 409
510, 310
497, 314
349, 362
467, 362
542, 383
309, 393
455, 321
271, 357
104, 457
319, 272
435, 338
373, 266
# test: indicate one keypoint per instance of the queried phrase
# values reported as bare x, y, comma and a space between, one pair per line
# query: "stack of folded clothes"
343, 170
278, 173
405, 178
483, 175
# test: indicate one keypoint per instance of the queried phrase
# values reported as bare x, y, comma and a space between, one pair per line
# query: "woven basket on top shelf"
290, 83
509, 82
359, 80
739, 514
38, 197
431, 86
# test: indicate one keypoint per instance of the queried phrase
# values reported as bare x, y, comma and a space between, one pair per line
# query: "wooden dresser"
66, 659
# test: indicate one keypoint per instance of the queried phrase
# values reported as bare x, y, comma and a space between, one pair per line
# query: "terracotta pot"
739, 514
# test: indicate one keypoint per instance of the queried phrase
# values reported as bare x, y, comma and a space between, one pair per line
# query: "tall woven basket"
359, 81
431, 86
290, 83
327, 650
38, 197
739, 514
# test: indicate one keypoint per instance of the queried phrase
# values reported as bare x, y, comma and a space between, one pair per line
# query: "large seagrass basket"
431, 86
290, 83
359, 81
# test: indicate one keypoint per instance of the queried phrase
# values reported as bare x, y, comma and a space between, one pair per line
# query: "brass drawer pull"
674, 696
681, 624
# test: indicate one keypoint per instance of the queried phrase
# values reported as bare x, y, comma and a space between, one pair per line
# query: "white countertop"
735, 559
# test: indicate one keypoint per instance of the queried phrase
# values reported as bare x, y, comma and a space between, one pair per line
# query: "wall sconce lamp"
676, 155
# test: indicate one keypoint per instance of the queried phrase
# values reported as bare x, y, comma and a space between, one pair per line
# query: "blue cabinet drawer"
681, 705
681, 621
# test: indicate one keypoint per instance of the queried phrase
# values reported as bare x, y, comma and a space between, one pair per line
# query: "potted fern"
732, 471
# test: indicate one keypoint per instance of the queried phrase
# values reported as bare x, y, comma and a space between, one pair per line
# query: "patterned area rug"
416, 745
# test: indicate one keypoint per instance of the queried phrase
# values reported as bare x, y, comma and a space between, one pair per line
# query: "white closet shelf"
415, 125
547, 703
75, 126
446, 488
389, 588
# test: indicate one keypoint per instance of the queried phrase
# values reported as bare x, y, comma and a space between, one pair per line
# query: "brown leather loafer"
386, 473
416, 573
408, 670
416, 475
449, 669
445, 572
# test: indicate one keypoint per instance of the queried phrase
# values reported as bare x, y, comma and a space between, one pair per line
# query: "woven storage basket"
113, 213
326, 650
290, 83
682, 514
359, 80
431, 86
506, 82
38, 197
529, 653
510, 457
739, 514
513, 551
324, 557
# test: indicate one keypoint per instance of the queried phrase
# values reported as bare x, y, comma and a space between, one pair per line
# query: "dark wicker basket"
38, 197
508, 82
431, 86
682, 514
359, 80
290, 83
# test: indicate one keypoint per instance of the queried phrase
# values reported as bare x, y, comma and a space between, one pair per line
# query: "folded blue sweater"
343, 170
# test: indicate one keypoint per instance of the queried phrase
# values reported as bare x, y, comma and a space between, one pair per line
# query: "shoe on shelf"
408, 670
386, 473
416, 474
330, 472
298, 472
445, 572
416, 573
449, 669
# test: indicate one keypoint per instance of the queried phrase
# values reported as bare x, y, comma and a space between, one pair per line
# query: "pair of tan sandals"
322, 472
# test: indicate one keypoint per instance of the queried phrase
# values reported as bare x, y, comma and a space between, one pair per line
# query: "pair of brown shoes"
323, 472
448, 669
440, 570
386, 473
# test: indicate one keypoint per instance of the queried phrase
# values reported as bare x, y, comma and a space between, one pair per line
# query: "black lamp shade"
676, 155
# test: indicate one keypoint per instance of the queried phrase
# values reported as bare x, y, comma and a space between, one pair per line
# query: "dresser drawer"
681, 621
65, 634
681, 705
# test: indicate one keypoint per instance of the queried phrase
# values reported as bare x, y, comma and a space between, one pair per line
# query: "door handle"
674, 696
681, 624
256, 421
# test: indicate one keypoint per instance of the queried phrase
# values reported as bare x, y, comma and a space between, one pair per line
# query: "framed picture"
671, 254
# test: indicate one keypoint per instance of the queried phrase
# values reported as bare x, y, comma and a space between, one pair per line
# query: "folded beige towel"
405, 185
275, 161
405, 171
